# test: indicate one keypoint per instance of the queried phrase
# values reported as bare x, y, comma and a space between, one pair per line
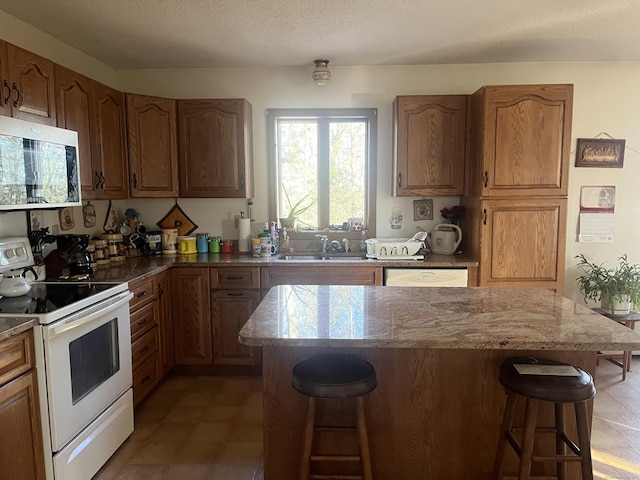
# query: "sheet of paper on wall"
596, 227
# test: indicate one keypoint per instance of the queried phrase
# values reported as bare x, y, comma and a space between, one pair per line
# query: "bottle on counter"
363, 241
275, 237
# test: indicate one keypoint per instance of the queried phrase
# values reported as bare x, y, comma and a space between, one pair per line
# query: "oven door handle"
89, 315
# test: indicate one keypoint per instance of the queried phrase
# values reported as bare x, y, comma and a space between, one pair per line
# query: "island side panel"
434, 414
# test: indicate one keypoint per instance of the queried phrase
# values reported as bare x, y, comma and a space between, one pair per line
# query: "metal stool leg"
305, 459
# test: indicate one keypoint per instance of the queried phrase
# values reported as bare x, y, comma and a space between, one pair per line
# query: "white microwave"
39, 166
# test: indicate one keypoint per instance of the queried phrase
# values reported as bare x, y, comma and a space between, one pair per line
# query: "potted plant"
290, 222
616, 288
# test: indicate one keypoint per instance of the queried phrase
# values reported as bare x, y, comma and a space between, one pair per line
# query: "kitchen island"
436, 411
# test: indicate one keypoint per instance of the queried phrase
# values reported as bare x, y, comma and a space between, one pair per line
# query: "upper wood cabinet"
429, 145
110, 143
521, 140
215, 148
153, 151
97, 113
27, 85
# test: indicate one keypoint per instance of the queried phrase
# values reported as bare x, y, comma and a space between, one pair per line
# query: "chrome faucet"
335, 247
324, 239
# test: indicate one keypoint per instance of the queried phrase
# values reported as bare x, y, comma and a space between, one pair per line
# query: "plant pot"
616, 305
288, 223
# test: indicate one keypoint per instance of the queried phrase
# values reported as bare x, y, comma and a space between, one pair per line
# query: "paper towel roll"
244, 234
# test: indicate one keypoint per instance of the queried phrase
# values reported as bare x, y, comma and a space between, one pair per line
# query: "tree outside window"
323, 166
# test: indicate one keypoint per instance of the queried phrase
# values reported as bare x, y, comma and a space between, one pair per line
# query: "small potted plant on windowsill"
291, 221
616, 288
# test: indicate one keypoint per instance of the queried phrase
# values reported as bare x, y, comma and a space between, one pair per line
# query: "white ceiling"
237, 33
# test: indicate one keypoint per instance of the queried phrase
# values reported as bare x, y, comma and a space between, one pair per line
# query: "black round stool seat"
564, 389
334, 376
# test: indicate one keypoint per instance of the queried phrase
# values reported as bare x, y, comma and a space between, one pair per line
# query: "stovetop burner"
51, 300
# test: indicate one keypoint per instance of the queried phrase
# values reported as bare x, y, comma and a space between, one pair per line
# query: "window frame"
371, 116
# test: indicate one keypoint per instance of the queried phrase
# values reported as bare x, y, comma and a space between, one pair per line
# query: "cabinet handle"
102, 180
484, 216
142, 322
485, 179
399, 179
235, 294
235, 278
141, 294
145, 379
241, 181
97, 183
5, 84
17, 99
135, 181
160, 290
145, 349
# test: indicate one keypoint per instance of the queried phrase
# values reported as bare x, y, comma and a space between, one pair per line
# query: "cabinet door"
167, 349
5, 85
110, 143
21, 452
34, 92
231, 309
74, 103
215, 148
192, 316
527, 135
430, 143
271, 276
523, 242
153, 151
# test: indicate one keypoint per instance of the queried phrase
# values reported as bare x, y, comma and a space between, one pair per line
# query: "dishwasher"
426, 277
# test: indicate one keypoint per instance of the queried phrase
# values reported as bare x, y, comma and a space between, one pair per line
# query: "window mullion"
323, 173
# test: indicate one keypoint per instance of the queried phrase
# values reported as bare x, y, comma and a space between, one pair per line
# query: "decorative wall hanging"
89, 215
176, 218
600, 152
111, 220
66, 218
423, 209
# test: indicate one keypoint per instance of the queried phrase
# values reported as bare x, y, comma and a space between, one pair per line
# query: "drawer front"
143, 293
235, 277
143, 319
16, 356
145, 346
145, 377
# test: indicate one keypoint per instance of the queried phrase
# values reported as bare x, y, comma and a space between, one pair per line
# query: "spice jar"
226, 246
115, 246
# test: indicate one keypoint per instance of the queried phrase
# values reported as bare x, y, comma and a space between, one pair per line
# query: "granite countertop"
145, 266
445, 318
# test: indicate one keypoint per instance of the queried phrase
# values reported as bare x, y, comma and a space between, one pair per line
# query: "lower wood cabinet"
333, 275
21, 450
235, 295
151, 356
191, 316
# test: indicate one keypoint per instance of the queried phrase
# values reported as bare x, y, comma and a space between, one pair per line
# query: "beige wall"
606, 99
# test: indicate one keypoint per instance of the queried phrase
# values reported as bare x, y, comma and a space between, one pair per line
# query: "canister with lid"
115, 246
214, 245
202, 242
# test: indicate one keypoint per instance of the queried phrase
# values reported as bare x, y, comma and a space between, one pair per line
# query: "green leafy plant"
301, 206
598, 282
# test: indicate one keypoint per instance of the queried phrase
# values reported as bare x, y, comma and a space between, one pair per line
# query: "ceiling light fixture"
321, 74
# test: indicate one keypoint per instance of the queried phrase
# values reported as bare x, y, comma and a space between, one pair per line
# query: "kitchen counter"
437, 408
145, 266
443, 318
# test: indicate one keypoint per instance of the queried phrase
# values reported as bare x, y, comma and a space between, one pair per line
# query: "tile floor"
194, 428
210, 428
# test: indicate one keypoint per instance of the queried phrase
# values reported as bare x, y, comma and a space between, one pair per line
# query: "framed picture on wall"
423, 209
35, 220
600, 152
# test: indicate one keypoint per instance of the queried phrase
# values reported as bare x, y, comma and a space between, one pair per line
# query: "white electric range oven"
83, 361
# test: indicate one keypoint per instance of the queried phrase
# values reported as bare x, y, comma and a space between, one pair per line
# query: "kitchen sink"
322, 256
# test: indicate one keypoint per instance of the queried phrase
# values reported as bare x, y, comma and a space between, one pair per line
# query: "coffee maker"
70, 257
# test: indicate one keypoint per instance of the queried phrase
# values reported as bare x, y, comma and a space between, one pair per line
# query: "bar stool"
331, 377
551, 388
